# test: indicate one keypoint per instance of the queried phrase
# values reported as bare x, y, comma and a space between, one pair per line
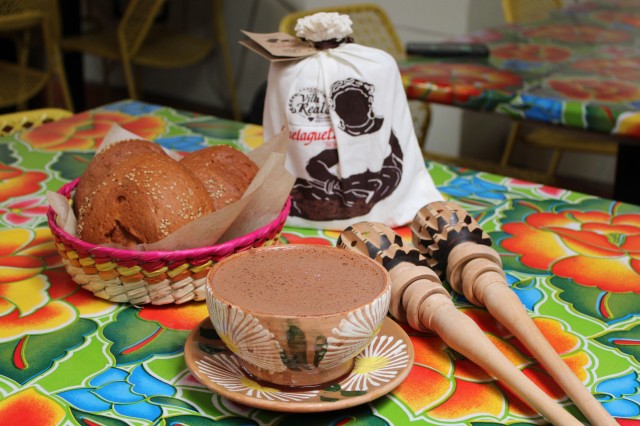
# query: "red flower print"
455, 83
627, 17
295, 239
15, 182
591, 89
595, 249
21, 212
577, 33
531, 52
619, 67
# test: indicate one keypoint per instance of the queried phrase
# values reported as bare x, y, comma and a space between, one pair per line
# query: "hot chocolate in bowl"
297, 315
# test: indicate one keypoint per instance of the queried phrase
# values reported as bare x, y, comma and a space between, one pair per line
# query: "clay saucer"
218, 369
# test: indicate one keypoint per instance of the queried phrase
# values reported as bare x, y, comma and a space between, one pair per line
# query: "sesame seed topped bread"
225, 171
142, 199
101, 166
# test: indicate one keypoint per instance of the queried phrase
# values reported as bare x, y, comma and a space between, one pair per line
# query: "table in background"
578, 69
67, 356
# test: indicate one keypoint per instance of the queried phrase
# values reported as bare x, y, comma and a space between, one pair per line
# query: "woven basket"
156, 277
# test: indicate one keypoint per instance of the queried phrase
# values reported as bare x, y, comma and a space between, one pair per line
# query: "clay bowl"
297, 315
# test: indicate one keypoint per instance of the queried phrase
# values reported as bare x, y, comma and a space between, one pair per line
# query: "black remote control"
447, 49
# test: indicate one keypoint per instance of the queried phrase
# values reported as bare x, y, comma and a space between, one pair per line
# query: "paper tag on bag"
277, 46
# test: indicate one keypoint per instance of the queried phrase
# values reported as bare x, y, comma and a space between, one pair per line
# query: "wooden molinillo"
455, 245
418, 297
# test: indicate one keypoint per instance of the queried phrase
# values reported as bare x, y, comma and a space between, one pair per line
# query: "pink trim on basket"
216, 251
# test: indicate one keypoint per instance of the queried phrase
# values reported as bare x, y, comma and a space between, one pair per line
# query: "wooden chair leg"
129, 74
61, 76
421, 115
223, 45
553, 166
511, 141
106, 86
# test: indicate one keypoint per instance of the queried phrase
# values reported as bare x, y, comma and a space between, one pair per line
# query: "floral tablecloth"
580, 68
67, 357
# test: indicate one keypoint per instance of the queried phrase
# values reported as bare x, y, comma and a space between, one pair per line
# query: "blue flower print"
126, 393
526, 291
620, 395
183, 143
134, 108
542, 109
466, 186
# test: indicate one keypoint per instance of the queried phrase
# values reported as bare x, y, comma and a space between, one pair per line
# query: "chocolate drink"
319, 280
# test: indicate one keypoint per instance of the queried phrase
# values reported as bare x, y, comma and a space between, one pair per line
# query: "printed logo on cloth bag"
308, 135
352, 101
311, 104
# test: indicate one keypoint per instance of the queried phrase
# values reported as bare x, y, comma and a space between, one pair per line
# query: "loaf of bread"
225, 172
101, 166
141, 198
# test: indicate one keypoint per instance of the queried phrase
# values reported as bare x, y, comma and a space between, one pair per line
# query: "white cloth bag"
352, 145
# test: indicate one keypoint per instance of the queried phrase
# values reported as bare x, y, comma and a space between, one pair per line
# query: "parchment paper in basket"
267, 199
65, 218
260, 204
272, 178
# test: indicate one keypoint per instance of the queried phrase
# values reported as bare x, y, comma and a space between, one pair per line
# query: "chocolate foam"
298, 280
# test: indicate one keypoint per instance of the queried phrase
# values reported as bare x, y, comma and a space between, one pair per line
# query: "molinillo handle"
417, 297
455, 245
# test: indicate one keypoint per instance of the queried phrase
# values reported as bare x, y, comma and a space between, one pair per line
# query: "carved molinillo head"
440, 226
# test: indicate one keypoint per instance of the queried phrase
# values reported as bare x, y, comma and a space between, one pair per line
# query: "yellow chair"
558, 140
371, 27
138, 41
29, 24
519, 11
17, 121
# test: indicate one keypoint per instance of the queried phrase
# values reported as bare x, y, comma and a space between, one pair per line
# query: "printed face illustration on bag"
325, 196
352, 100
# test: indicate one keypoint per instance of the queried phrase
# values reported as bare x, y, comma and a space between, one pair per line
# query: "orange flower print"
431, 365
458, 388
595, 249
20, 269
24, 255
469, 398
252, 135
62, 287
628, 123
15, 182
179, 317
42, 410
86, 130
